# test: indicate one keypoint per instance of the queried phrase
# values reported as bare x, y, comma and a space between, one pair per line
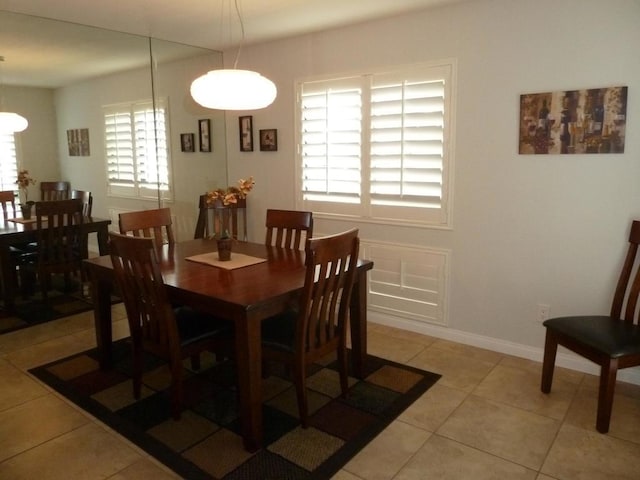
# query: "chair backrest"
285, 228
331, 264
54, 191
628, 287
139, 279
61, 239
8, 202
148, 223
87, 201
215, 218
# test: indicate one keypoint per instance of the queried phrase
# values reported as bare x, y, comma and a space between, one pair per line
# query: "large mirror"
65, 78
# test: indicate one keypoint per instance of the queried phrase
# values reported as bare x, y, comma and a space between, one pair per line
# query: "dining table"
241, 291
15, 232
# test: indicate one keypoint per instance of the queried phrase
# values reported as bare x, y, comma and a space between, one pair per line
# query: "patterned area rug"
32, 309
205, 443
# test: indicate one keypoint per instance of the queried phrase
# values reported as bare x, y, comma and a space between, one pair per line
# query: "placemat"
238, 260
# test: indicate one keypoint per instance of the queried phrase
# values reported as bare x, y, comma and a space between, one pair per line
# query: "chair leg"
343, 370
301, 392
195, 362
548, 363
608, 373
137, 371
176, 389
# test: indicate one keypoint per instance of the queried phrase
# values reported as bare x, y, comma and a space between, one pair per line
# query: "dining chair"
54, 191
8, 202
285, 228
148, 223
19, 255
612, 341
318, 326
87, 201
61, 240
215, 219
155, 326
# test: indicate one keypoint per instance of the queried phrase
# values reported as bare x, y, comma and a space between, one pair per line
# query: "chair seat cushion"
605, 334
279, 331
195, 326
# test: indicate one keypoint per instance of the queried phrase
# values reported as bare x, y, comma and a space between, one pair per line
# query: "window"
375, 145
8, 163
137, 153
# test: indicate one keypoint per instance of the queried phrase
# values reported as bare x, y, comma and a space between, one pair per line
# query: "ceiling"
50, 54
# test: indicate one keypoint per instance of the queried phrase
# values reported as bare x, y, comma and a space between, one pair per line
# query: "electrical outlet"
543, 312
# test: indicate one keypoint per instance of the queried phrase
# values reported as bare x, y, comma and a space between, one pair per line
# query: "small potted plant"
23, 181
224, 246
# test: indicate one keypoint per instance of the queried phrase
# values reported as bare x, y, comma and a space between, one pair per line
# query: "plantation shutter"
8, 162
119, 146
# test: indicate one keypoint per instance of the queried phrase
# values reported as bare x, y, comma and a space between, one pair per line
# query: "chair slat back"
216, 218
61, 238
285, 228
8, 202
628, 287
324, 304
149, 223
87, 201
54, 191
137, 273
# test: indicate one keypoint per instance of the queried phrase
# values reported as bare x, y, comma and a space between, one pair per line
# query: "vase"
26, 208
224, 249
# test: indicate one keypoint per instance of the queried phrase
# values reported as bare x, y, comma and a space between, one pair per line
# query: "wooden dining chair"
155, 326
54, 191
285, 228
61, 240
318, 326
148, 223
87, 201
215, 219
8, 203
612, 341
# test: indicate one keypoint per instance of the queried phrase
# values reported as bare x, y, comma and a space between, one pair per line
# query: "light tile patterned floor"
485, 419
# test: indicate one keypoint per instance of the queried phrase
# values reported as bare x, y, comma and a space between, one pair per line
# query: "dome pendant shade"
233, 89
12, 122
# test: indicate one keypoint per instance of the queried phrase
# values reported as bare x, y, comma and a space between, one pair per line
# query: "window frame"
365, 210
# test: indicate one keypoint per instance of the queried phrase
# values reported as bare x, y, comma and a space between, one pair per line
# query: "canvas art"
573, 121
78, 142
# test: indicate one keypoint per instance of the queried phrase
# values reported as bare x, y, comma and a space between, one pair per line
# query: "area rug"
31, 309
206, 444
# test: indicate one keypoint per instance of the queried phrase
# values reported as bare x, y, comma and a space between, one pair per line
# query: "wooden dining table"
16, 232
245, 296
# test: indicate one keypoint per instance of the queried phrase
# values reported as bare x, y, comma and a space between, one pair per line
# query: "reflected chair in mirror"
216, 218
149, 223
317, 326
155, 326
8, 202
54, 191
61, 242
612, 341
285, 228
87, 201
19, 255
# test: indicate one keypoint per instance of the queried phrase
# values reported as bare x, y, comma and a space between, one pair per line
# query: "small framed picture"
246, 133
269, 140
204, 134
187, 142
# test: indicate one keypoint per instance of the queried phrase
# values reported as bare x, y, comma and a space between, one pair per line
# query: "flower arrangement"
232, 194
23, 181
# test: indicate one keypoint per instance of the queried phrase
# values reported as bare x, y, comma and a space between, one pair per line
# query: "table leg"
249, 368
8, 287
101, 293
103, 239
358, 318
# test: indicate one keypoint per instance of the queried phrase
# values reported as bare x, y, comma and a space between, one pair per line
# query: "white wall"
526, 229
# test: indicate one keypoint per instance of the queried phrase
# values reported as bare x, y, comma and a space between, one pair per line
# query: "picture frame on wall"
269, 140
245, 124
187, 142
78, 142
204, 134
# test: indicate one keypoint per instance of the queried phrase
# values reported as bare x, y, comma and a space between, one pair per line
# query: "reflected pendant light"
10, 122
233, 89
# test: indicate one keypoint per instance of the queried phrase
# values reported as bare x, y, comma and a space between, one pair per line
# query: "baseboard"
564, 358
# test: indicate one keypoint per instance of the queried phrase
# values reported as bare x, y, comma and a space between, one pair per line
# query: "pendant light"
234, 89
9, 122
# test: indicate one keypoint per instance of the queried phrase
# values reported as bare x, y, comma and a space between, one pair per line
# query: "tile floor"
484, 419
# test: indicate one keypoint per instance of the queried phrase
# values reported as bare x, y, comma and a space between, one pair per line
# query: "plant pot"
26, 209
224, 249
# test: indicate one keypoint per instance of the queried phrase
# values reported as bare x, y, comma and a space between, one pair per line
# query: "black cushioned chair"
612, 341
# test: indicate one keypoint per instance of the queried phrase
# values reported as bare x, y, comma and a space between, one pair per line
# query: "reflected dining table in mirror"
245, 296
19, 232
